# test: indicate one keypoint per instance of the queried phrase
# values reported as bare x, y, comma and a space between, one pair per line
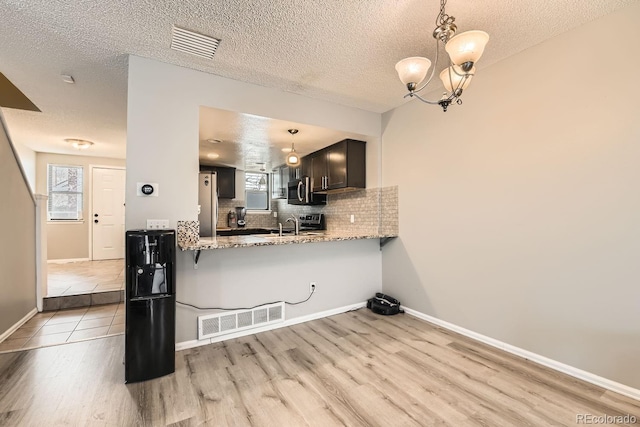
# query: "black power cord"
245, 308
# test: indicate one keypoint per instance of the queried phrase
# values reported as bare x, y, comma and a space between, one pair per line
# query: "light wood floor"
355, 369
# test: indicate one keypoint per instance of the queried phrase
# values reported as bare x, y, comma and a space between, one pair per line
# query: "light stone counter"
223, 242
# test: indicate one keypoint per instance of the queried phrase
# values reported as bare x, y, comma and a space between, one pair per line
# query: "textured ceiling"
339, 51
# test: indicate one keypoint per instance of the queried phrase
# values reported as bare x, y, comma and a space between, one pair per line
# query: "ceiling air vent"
193, 43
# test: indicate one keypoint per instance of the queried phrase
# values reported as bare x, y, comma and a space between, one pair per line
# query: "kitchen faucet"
294, 219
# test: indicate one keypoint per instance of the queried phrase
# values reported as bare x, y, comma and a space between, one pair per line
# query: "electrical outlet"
353, 219
157, 224
275, 214
312, 287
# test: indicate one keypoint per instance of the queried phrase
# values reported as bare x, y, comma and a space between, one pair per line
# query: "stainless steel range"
311, 222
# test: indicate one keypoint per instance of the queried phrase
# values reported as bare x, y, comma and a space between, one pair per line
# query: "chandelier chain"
442, 16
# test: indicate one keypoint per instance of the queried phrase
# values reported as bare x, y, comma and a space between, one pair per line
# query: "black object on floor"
384, 304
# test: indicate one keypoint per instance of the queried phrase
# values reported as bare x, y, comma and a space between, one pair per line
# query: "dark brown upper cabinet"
338, 167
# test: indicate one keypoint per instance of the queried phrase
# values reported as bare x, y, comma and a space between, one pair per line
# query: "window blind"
65, 191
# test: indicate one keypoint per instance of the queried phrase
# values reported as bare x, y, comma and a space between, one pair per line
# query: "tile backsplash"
254, 220
375, 211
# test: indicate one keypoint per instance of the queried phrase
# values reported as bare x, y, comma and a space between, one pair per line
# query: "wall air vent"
213, 325
193, 43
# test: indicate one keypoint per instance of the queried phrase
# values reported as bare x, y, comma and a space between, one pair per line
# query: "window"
64, 188
257, 190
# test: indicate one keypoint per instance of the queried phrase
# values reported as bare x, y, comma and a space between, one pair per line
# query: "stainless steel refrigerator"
208, 203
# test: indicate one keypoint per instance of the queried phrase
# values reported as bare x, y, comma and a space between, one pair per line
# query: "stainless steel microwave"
299, 193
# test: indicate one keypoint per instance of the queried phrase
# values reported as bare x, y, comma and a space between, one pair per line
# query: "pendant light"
263, 179
293, 159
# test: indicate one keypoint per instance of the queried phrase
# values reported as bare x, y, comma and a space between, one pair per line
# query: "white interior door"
107, 214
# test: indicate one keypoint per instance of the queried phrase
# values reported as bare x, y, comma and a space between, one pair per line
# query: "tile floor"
84, 277
63, 326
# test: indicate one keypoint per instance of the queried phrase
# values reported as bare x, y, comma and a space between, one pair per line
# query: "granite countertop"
223, 242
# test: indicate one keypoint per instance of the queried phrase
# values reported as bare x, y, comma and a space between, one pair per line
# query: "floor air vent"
213, 325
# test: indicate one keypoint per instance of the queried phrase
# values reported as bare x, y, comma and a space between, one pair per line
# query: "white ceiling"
338, 51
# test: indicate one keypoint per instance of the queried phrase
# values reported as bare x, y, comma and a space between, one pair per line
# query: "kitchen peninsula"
377, 219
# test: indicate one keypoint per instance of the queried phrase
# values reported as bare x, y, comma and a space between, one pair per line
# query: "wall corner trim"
289, 322
534, 357
16, 156
19, 323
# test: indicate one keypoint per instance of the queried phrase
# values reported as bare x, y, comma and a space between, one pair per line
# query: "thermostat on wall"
147, 189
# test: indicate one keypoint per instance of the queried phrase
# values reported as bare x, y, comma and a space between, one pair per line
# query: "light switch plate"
157, 224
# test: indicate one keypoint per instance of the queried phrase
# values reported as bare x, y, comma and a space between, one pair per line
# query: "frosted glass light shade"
293, 159
467, 46
413, 69
449, 78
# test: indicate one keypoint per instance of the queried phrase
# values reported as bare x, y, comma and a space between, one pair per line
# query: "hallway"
75, 278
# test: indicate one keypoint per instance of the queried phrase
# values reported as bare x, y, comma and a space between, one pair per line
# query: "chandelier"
464, 51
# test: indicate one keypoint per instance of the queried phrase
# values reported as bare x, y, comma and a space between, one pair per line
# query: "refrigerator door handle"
215, 218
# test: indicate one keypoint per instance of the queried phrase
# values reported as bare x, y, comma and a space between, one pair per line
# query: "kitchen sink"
243, 231
276, 236
292, 235
250, 231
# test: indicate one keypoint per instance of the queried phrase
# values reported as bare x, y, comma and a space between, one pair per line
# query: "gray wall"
520, 209
17, 247
346, 273
162, 147
70, 240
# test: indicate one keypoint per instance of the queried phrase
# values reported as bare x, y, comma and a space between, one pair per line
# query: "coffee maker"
241, 213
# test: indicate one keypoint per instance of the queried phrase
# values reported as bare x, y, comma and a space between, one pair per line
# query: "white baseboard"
20, 322
290, 322
534, 357
65, 261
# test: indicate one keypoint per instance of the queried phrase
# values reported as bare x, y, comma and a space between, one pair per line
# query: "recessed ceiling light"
79, 144
67, 78
213, 155
213, 141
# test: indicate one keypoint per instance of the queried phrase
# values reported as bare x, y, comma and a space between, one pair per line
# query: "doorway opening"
100, 278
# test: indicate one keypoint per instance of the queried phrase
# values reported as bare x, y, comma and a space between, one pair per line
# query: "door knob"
95, 220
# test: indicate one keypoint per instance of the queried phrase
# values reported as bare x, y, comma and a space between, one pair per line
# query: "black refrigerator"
150, 304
